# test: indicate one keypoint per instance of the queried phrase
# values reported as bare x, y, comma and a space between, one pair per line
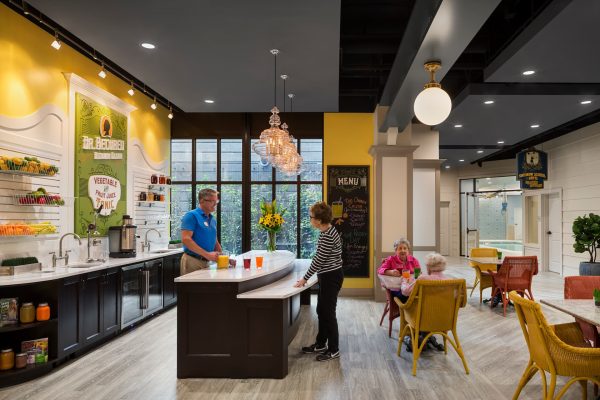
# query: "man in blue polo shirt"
199, 233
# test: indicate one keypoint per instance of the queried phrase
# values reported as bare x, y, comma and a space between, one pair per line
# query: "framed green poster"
100, 165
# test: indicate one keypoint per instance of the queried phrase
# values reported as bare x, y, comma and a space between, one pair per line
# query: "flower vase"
271, 246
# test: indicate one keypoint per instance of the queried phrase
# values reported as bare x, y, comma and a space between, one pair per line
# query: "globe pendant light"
433, 105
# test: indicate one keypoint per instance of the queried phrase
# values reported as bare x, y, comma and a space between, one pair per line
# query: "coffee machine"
121, 239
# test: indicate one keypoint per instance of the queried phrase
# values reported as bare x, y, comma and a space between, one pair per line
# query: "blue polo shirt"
204, 228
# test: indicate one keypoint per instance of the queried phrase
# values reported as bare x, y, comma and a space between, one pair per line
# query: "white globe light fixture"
433, 105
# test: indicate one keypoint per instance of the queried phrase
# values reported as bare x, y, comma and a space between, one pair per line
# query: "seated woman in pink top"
435, 264
393, 265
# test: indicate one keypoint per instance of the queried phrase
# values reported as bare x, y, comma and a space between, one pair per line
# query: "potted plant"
586, 231
597, 297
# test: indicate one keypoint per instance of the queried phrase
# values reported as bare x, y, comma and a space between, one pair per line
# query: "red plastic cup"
247, 263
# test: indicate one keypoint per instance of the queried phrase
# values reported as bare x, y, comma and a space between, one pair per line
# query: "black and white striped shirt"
329, 253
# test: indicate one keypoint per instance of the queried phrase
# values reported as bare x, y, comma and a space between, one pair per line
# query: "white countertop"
280, 289
272, 263
61, 272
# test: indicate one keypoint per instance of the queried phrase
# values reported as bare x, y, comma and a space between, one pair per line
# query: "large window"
232, 168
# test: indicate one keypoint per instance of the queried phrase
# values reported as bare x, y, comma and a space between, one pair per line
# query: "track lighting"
153, 105
102, 73
170, 115
131, 91
56, 43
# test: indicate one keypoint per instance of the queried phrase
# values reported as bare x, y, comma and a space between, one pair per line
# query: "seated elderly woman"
435, 264
402, 260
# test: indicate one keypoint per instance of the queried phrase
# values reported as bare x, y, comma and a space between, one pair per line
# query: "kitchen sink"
160, 251
83, 264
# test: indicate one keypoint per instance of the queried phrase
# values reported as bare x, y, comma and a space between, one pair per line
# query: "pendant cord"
275, 82
284, 95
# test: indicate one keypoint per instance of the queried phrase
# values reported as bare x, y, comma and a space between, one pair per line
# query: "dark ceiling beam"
537, 24
443, 34
369, 48
510, 152
470, 146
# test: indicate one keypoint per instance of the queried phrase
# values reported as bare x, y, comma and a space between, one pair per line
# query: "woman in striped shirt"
327, 264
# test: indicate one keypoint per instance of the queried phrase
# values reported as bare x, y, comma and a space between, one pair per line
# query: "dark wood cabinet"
89, 309
170, 272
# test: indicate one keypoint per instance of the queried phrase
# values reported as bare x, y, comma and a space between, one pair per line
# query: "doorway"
553, 230
445, 228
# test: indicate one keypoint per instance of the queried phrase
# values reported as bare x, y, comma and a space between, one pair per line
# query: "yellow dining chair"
558, 349
432, 308
481, 278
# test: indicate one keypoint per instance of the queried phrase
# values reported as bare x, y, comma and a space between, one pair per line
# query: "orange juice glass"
222, 261
406, 273
259, 262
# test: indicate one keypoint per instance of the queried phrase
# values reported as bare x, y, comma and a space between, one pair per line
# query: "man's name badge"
205, 223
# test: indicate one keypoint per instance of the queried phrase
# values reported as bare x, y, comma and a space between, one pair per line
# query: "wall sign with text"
348, 196
532, 168
100, 164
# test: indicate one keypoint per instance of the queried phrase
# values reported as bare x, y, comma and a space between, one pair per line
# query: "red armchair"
582, 287
516, 274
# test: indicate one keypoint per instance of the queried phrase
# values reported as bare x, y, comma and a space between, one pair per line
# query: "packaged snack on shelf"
9, 314
38, 348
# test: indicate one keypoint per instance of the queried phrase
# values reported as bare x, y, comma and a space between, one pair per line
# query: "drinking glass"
259, 262
247, 262
223, 259
406, 273
417, 272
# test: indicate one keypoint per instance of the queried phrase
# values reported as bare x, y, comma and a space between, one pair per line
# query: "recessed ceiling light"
528, 72
500, 141
488, 102
148, 46
447, 167
585, 102
461, 160
479, 151
209, 101
535, 126
458, 126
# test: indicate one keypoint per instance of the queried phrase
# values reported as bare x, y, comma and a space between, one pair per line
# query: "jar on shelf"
7, 359
162, 197
21, 360
27, 313
162, 179
143, 196
168, 180
42, 312
150, 196
154, 179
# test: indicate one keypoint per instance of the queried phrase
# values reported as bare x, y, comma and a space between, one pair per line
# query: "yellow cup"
222, 261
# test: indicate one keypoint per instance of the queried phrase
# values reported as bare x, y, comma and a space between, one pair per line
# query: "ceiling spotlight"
170, 115
153, 105
148, 46
131, 91
461, 160
535, 126
479, 151
585, 102
528, 72
209, 101
458, 126
56, 43
447, 167
433, 105
488, 102
500, 141
102, 73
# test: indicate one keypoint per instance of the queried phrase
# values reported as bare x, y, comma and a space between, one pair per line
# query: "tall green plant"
586, 231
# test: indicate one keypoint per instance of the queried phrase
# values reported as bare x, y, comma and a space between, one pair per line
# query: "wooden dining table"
486, 260
583, 309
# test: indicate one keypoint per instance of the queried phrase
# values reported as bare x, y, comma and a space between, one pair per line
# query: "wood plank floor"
141, 364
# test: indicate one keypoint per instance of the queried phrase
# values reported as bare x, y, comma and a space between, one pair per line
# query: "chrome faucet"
146, 243
92, 231
60, 253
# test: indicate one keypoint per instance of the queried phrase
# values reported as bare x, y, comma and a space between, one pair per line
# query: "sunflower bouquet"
271, 220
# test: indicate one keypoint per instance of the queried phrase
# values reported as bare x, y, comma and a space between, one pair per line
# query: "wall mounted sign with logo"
100, 164
348, 196
532, 168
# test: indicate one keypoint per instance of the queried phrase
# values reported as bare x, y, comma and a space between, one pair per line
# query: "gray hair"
206, 193
435, 262
401, 241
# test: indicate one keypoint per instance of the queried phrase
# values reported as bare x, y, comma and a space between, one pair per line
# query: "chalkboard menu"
348, 196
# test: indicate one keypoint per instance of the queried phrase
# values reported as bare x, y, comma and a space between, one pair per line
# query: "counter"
234, 323
61, 272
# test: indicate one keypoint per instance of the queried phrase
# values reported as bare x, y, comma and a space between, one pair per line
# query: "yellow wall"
347, 139
31, 75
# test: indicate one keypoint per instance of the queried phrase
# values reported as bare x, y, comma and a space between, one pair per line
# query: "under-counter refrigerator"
141, 291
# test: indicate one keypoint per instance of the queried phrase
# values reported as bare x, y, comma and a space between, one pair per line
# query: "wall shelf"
20, 327
150, 203
160, 188
25, 173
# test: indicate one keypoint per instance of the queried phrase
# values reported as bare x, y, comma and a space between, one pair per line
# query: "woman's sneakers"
314, 348
328, 355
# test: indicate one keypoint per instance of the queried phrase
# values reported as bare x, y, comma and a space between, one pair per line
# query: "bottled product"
154, 179
168, 180
143, 196
162, 179
7, 359
21, 360
42, 313
27, 313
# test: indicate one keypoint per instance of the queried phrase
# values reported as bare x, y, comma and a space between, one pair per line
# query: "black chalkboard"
348, 196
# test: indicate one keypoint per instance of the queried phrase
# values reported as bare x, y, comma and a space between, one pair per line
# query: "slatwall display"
151, 214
